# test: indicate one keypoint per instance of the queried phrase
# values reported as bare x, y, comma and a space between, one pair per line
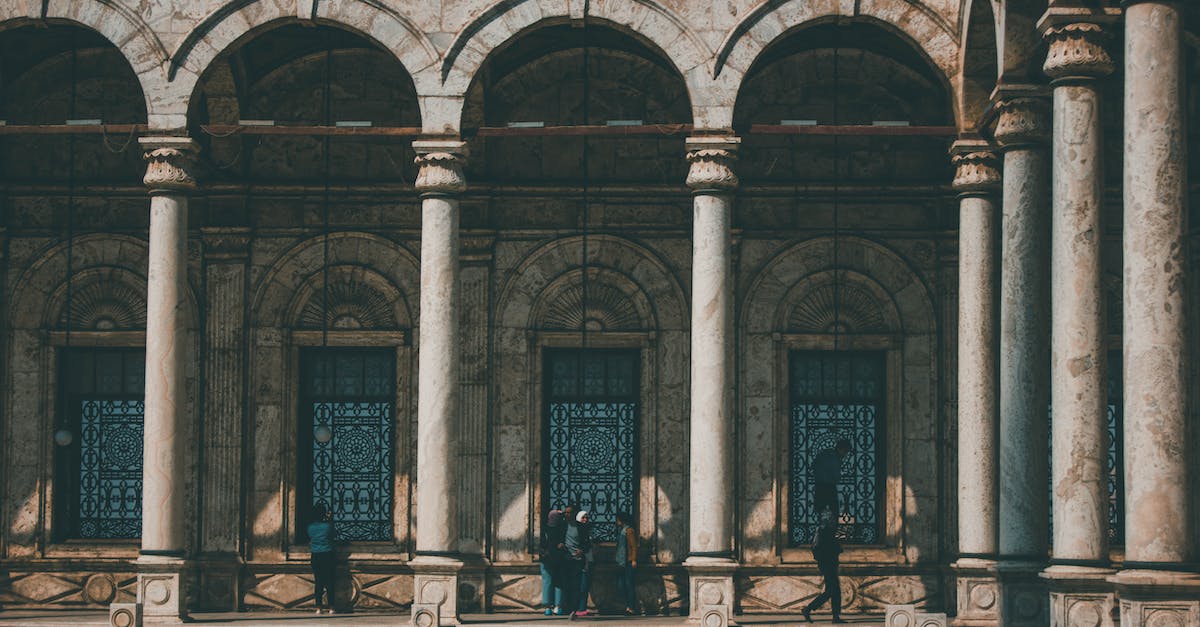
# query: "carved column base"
710, 587
162, 590
978, 593
1023, 594
1081, 595
1150, 598
435, 585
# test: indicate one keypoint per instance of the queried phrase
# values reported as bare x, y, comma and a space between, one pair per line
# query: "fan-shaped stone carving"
607, 309
352, 303
843, 308
104, 306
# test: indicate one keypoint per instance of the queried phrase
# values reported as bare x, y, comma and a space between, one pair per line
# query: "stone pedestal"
710, 585
162, 584
978, 593
435, 586
1080, 595
162, 590
1023, 598
1154, 598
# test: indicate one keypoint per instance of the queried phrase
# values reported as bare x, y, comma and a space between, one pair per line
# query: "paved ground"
22, 618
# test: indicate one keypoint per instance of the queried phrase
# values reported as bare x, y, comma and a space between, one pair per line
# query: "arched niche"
634, 302
866, 298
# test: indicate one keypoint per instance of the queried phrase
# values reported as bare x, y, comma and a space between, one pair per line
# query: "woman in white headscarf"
579, 558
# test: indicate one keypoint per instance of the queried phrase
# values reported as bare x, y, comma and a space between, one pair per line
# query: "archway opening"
296, 75
565, 76
61, 74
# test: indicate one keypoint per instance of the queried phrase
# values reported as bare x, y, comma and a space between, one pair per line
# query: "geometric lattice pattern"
592, 421
101, 469
351, 393
837, 396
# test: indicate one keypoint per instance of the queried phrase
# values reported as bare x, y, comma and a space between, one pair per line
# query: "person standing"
826, 473
577, 543
551, 563
826, 550
626, 558
584, 543
321, 535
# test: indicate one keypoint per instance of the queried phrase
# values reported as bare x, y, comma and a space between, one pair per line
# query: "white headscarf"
580, 515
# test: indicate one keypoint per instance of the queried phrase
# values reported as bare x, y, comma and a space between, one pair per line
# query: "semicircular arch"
383, 263
133, 38
609, 256
881, 270
775, 20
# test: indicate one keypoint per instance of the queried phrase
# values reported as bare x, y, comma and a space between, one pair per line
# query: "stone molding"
441, 167
711, 160
1077, 51
226, 244
169, 163
976, 172
1024, 120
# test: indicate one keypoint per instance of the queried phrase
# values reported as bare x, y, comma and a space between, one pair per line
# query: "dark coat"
826, 547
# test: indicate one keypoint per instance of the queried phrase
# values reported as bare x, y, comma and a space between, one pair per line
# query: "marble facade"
994, 280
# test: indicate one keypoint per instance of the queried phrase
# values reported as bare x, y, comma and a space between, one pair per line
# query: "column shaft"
437, 385
1157, 527
1024, 356
437, 565
161, 582
710, 487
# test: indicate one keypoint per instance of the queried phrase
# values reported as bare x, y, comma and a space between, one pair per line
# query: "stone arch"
125, 29
613, 303
235, 21
774, 20
378, 267
1018, 40
103, 266
608, 256
871, 266
844, 301
357, 297
978, 60
646, 20
103, 298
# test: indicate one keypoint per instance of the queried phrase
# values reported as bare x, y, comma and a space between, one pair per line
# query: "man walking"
826, 550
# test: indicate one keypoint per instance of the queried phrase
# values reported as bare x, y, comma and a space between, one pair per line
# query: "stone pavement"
59, 618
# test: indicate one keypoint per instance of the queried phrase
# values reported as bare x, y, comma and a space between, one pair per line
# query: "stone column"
1022, 131
162, 565
1159, 530
437, 562
710, 560
977, 181
1078, 356
226, 252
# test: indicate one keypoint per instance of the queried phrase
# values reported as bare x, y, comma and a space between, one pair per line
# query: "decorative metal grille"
592, 441
836, 396
101, 470
351, 392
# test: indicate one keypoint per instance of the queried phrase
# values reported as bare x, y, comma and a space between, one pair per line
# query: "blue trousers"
627, 583
552, 593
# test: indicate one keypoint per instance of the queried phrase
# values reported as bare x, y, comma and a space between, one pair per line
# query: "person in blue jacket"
320, 542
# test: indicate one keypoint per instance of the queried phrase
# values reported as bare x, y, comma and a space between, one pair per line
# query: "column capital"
441, 162
170, 163
1024, 115
711, 160
1077, 50
976, 168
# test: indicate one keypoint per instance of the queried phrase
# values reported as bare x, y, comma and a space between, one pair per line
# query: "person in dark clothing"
626, 558
826, 472
552, 545
321, 539
577, 545
826, 550
584, 528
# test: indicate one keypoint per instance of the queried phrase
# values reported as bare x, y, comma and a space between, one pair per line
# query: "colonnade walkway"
59, 618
